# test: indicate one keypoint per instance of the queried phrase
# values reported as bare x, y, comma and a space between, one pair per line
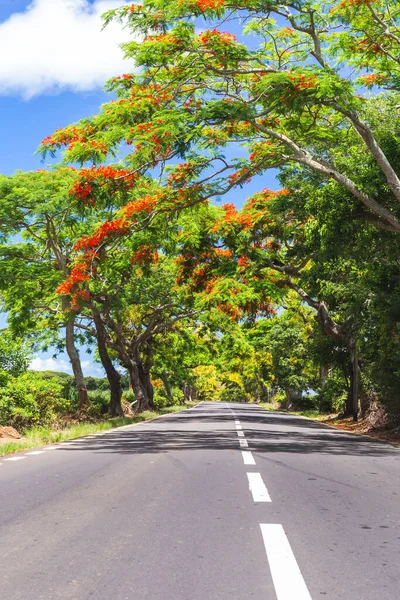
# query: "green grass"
40, 436
310, 414
267, 405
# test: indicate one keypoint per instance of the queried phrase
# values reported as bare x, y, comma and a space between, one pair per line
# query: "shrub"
30, 400
99, 402
179, 396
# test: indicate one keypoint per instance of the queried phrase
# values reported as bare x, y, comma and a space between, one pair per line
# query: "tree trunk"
190, 393
76, 363
144, 367
168, 390
356, 382
348, 411
365, 403
352, 404
143, 400
293, 398
114, 378
264, 390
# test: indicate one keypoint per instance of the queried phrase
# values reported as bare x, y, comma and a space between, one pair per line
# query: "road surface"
220, 502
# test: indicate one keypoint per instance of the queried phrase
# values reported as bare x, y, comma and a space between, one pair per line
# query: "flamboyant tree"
206, 113
285, 95
40, 221
134, 292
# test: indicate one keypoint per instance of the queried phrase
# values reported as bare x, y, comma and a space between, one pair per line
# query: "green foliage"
232, 392
99, 401
207, 382
229, 302
29, 400
14, 354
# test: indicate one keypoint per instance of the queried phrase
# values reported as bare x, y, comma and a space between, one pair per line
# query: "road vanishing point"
219, 502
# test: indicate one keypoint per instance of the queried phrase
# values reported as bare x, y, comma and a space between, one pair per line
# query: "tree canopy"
125, 244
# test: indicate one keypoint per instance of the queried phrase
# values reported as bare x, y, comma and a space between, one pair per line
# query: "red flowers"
108, 229
79, 273
144, 205
145, 254
88, 178
303, 82
212, 36
209, 4
223, 253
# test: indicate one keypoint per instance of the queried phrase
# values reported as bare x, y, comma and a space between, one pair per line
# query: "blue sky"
45, 85
54, 63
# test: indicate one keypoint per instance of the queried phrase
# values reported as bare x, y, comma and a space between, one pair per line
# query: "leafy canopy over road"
129, 227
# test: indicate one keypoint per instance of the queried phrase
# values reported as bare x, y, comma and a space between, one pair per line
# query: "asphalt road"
221, 502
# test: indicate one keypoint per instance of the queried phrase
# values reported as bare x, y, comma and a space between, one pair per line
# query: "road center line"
240, 433
243, 443
237, 422
257, 488
238, 426
286, 575
248, 458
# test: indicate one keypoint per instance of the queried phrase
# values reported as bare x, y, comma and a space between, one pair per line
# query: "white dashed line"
237, 422
14, 458
257, 488
286, 575
248, 458
238, 426
35, 453
240, 433
52, 448
243, 444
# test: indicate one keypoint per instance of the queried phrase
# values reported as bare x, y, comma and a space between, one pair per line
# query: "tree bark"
348, 411
140, 389
76, 363
190, 393
293, 398
264, 390
167, 387
114, 378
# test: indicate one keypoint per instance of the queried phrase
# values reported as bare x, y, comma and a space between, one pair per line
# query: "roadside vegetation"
52, 434
288, 296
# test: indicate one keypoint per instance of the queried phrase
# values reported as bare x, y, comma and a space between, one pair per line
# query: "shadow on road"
282, 434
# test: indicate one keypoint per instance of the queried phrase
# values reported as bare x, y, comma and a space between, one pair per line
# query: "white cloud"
60, 364
50, 364
58, 44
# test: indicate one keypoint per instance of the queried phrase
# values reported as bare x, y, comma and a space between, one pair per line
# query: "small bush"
179, 396
30, 400
280, 397
334, 396
99, 401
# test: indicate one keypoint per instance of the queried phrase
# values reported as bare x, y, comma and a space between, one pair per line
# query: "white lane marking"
248, 458
286, 575
240, 433
238, 426
35, 453
243, 443
52, 447
237, 422
257, 488
16, 458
